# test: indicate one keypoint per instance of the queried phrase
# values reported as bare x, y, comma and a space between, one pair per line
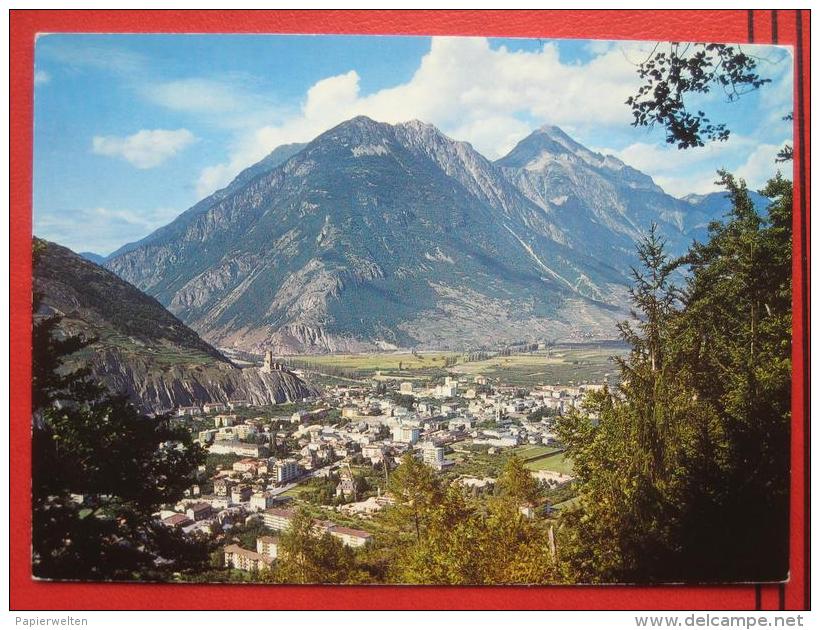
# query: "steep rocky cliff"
141, 349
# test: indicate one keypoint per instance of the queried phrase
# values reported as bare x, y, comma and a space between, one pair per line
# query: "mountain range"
381, 236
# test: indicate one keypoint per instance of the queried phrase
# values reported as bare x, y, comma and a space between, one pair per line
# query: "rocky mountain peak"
549, 147
362, 136
547, 144
376, 233
423, 130
360, 127
556, 134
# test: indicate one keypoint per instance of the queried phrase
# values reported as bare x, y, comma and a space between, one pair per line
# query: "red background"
761, 26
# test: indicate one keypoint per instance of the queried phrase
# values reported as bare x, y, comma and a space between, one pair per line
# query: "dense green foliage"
442, 536
308, 557
434, 533
99, 471
683, 472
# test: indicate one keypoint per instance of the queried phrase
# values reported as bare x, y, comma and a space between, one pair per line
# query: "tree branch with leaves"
674, 72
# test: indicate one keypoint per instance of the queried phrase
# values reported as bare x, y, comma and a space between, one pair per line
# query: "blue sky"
131, 130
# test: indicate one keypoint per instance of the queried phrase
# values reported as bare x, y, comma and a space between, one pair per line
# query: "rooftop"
358, 533
280, 512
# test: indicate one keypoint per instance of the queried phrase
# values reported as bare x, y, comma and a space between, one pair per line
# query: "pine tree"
416, 490
736, 331
517, 484
683, 471
100, 469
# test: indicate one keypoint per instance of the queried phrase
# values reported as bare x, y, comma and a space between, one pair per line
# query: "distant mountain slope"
175, 228
95, 258
142, 349
376, 235
713, 207
595, 202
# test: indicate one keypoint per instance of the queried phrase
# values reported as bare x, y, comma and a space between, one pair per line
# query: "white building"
244, 559
408, 435
262, 501
350, 537
228, 447
240, 494
277, 518
188, 411
285, 470
373, 452
267, 547
224, 421
207, 436
433, 454
244, 431
448, 390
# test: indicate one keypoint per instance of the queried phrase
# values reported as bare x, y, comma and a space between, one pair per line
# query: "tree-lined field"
561, 365
558, 365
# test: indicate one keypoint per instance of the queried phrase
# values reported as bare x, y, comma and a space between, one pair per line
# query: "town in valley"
333, 454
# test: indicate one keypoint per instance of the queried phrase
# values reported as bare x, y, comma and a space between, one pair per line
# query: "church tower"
267, 366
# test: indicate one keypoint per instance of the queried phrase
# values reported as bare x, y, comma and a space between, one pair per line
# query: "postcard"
344, 309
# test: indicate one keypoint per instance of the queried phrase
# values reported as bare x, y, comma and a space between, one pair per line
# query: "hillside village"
334, 454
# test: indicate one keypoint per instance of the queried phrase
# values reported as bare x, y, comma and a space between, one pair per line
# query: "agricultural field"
559, 365
556, 462
562, 365
296, 492
533, 452
477, 462
381, 361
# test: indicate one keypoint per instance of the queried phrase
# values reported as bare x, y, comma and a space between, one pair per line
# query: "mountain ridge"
139, 348
375, 236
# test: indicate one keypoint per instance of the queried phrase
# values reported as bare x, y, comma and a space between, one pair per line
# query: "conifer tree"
100, 469
683, 470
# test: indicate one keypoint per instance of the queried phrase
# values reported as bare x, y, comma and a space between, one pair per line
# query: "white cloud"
41, 77
680, 172
467, 89
327, 96
88, 56
252, 146
503, 132
194, 95
760, 165
777, 98
599, 46
494, 97
147, 148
